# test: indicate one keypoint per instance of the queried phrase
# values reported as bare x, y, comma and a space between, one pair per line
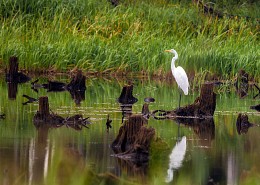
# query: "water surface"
202, 153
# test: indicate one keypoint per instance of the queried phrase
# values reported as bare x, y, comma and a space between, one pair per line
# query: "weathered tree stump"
203, 107
145, 110
126, 96
77, 87
13, 74
243, 124
44, 118
43, 115
78, 82
241, 83
133, 140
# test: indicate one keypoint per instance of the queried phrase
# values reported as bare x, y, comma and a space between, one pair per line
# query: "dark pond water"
207, 152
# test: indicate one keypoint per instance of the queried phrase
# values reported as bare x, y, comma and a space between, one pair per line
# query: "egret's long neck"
173, 59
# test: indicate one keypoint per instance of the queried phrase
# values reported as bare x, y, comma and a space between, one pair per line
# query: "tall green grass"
97, 37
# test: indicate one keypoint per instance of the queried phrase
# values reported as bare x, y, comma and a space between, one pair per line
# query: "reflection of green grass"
76, 157
93, 35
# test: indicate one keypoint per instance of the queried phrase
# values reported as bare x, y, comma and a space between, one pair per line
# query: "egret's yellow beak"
167, 50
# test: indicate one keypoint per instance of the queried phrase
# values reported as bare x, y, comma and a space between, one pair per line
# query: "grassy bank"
97, 37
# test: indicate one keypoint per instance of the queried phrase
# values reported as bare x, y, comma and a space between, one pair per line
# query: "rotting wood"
243, 124
203, 107
145, 110
126, 96
77, 87
13, 75
77, 83
133, 140
44, 117
241, 83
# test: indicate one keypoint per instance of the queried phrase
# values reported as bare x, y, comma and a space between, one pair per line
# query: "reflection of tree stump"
203, 106
12, 90
133, 140
255, 107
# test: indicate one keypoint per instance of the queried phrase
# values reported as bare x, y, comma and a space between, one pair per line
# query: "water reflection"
12, 90
176, 157
203, 128
215, 153
126, 100
39, 153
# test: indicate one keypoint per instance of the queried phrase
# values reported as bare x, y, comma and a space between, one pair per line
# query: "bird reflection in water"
176, 157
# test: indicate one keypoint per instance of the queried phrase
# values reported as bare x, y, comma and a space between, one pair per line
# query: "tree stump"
203, 107
133, 140
241, 83
43, 115
126, 96
13, 74
243, 124
77, 87
145, 110
78, 82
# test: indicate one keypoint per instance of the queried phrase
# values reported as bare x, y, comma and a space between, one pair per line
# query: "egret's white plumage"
179, 75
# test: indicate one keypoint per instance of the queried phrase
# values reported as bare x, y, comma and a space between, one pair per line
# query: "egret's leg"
180, 100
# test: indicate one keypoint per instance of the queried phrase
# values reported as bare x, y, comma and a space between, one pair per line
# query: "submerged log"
243, 124
204, 106
133, 140
13, 74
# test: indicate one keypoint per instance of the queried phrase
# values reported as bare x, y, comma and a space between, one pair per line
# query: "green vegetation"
98, 37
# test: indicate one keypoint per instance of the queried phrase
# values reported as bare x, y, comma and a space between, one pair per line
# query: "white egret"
179, 75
